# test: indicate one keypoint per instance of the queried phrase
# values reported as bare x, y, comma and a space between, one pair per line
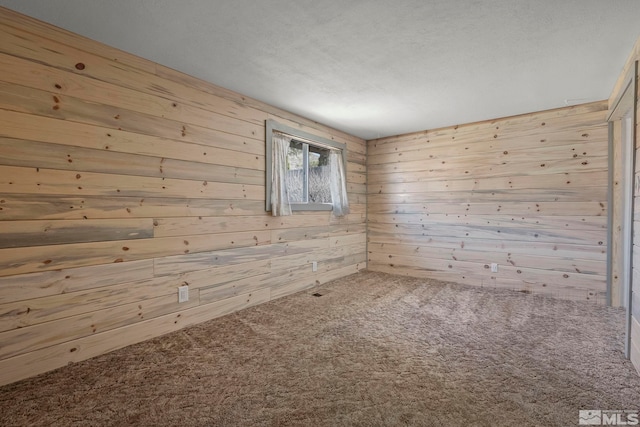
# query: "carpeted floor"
373, 350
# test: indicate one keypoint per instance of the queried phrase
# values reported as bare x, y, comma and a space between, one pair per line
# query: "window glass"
319, 175
308, 175
295, 172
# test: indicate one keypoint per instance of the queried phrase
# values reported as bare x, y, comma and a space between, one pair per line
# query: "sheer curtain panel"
338, 184
280, 205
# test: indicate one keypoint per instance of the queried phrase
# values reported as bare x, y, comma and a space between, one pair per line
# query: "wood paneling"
17, 234
121, 180
53, 156
54, 282
35, 206
54, 356
44, 129
528, 193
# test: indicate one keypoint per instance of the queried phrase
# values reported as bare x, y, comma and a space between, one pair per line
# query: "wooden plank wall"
527, 192
121, 180
635, 300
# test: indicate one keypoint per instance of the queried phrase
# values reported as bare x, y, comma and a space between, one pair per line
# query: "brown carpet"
373, 350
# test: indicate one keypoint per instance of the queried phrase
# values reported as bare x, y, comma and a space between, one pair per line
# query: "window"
304, 172
308, 173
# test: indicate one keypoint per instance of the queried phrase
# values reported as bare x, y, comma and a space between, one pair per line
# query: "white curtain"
279, 195
338, 184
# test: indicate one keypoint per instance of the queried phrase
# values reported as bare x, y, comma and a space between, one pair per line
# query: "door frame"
624, 105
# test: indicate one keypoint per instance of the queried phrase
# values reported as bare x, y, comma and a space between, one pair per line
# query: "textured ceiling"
374, 67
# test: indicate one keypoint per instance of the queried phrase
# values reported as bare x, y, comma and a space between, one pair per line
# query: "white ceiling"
374, 68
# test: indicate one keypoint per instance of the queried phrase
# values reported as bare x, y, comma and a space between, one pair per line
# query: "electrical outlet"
494, 267
314, 266
183, 293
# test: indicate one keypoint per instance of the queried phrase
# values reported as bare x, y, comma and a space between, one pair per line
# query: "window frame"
272, 126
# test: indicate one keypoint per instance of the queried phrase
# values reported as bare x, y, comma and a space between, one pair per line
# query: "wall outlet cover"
183, 293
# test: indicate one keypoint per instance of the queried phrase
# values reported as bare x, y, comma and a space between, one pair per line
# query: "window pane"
319, 176
295, 172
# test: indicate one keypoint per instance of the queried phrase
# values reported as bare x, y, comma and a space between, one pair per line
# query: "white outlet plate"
494, 267
183, 293
314, 266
